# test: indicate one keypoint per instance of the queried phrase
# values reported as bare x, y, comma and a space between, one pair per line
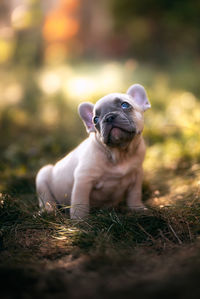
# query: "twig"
163, 236
179, 241
190, 234
150, 236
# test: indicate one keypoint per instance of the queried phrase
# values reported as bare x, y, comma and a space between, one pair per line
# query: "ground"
112, 253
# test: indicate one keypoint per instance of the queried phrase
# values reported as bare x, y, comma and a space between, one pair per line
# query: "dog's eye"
125, 105
95, 120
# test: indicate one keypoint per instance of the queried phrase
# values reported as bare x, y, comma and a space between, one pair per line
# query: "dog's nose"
110, 118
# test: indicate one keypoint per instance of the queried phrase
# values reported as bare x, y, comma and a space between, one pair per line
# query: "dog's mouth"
116, 132
118, 136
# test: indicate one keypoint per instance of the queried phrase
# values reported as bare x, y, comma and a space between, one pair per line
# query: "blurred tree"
158, 29
60, 29
26, 21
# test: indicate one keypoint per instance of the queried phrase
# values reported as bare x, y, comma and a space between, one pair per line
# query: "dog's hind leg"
46, 198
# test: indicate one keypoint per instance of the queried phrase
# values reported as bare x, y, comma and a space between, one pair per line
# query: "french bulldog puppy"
106, 168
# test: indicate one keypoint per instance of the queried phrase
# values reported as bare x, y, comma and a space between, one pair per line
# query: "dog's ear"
138, 93
85, 111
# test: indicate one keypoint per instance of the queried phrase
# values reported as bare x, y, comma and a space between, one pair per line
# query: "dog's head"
116, 118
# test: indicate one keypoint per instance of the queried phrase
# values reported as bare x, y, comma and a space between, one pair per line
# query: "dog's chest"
113, 183
112, 186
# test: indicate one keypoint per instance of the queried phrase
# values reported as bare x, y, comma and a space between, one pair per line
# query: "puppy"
106, 168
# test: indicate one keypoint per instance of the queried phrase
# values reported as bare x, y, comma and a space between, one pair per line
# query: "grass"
112, 253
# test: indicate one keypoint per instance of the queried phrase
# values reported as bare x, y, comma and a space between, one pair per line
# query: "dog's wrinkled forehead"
111, 102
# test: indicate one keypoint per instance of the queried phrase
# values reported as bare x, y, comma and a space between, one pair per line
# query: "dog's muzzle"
110, 118
117, 129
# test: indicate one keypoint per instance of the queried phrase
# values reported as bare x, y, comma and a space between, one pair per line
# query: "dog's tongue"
116, 133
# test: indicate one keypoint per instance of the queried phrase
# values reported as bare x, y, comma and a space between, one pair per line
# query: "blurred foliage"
43, 79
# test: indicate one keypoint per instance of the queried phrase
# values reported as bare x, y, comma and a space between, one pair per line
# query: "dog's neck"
119, 154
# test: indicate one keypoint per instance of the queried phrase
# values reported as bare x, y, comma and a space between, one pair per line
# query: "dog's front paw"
139, 209
79, 212
47, 207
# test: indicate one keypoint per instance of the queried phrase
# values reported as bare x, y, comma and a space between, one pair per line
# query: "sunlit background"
56, 53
